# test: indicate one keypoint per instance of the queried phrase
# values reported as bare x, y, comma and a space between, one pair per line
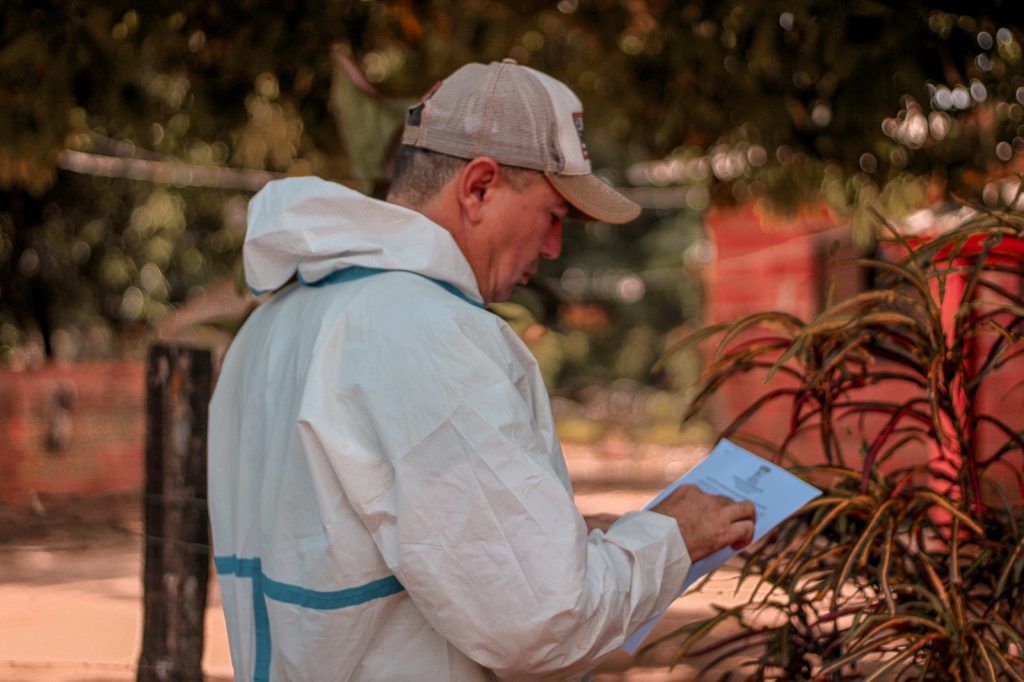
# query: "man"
388, 496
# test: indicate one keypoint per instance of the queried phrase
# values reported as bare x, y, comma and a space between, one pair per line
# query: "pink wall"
767, 263
71, 430
764, 263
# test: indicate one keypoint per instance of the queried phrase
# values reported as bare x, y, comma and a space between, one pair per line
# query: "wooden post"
179, 384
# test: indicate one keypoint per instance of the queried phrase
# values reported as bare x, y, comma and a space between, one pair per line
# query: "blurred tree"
723, 101
850, 102
158, 91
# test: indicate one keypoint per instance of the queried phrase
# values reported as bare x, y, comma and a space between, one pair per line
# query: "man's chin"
501, 296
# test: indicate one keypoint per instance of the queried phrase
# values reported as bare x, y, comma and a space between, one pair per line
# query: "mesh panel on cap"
500, 111
506, 111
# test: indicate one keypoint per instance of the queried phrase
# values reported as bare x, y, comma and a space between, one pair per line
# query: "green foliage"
737, 100
906, 567
367, 122
638, 284
101, 260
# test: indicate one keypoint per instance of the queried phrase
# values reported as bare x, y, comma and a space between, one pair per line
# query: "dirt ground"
71, 587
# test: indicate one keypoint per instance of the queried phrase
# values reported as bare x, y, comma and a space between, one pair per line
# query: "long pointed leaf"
755, 407
867, 536
694, 631
1004, 575
880, 672
791, 323
948, 506
858, 654
1007, 666
1016, 439
884, 566
983, 655
821, 525
689, 340
916, 280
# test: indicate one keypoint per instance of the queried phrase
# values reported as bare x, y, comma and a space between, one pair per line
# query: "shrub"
905, 568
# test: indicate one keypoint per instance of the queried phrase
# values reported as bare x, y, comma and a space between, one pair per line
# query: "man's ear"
477, 179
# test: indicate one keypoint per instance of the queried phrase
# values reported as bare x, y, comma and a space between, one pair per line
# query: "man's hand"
602, 521
708, 522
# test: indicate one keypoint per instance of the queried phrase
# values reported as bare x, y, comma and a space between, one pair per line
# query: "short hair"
419, 174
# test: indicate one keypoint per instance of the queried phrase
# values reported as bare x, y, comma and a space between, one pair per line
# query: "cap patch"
577, 118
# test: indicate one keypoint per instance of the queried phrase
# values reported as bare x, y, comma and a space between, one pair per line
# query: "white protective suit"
388, 496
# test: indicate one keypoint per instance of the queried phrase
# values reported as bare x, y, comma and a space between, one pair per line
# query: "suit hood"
311, 228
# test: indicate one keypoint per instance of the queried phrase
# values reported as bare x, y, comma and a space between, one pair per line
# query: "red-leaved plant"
910, 565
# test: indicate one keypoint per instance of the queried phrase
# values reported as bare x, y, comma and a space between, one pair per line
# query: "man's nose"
552, 246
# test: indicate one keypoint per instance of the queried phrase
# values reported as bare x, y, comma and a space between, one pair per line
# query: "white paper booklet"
740, 474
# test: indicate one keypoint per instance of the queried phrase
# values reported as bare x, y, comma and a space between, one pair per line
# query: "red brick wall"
766, 263
771, 263
71, 430
1002, 396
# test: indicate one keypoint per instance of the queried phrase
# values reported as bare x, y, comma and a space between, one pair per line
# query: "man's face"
519, 227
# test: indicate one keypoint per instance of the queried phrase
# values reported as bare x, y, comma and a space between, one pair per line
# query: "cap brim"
593, 199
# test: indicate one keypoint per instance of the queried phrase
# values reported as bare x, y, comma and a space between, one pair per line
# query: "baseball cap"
519, 117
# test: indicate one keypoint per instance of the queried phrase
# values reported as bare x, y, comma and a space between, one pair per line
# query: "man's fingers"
709, 522
743, 515
743, 534
739, 511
